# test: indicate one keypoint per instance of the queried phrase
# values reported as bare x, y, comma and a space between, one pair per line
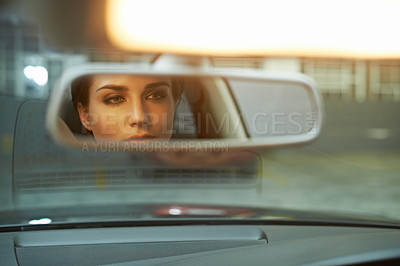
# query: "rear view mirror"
136, 108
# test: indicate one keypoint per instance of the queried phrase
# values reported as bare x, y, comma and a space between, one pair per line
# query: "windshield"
351, 169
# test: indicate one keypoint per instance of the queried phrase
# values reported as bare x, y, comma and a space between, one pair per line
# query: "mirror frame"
54, 123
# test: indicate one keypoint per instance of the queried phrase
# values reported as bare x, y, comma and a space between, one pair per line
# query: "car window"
352, 168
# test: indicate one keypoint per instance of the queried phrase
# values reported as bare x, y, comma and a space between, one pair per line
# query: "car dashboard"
202, 244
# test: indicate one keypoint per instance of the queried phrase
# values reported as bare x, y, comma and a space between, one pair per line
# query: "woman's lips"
139, 137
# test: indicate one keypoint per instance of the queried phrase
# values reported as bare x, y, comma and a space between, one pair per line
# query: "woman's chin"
140, 138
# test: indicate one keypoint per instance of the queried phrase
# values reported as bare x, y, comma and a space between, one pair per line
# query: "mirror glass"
274, 108
143, 108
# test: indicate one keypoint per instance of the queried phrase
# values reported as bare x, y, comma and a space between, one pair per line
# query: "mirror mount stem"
166, 61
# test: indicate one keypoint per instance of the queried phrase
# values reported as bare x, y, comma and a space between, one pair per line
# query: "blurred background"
361, 95
352, 167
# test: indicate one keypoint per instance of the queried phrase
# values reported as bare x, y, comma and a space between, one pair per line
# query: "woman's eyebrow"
113, 87
125, 88
156, 84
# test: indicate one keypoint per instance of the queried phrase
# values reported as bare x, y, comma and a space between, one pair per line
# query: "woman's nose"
136, 115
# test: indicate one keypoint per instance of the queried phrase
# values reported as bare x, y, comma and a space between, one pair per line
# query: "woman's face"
127, 107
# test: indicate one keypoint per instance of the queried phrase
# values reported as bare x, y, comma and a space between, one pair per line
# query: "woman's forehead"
127, 80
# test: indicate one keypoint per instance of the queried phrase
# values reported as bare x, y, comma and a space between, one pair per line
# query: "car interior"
63, 202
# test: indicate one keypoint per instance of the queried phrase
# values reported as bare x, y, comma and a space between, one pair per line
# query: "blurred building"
30, 69
338, 79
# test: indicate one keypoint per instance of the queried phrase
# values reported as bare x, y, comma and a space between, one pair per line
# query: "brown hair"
80, 90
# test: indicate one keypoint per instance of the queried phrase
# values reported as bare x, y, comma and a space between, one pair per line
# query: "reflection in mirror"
122, 107
125, 107
143, 108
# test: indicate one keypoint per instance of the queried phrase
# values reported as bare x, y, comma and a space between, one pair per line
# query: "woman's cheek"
106, 125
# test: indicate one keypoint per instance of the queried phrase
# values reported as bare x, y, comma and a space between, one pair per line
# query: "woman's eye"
156, 96
115, 99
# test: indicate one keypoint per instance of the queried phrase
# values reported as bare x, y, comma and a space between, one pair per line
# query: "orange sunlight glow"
341, 28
